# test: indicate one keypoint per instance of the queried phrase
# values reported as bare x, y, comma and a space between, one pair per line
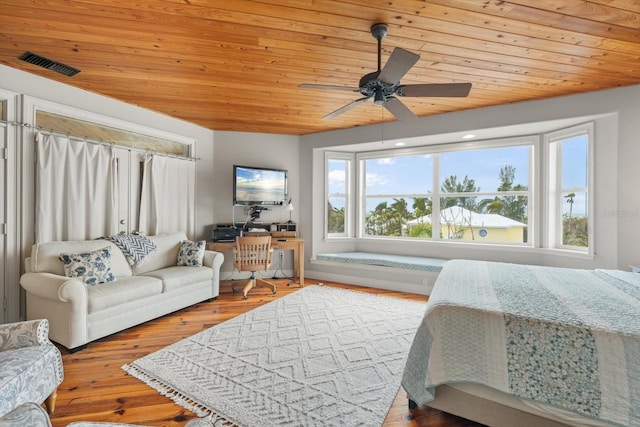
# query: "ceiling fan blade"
459, 90
328, 87
398, 64
346, 108
398, 109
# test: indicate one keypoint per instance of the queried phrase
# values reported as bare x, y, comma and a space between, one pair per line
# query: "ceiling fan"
384, 85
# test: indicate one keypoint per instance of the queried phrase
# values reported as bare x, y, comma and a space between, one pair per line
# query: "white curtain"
76, 191
168, 196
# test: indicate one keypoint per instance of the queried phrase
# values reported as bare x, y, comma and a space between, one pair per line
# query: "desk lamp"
289, 208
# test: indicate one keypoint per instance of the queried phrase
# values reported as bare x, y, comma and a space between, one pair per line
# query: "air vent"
43, 62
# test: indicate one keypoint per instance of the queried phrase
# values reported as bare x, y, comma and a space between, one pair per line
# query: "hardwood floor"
95, 388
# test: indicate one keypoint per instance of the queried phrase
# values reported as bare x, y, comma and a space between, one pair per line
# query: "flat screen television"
259, 186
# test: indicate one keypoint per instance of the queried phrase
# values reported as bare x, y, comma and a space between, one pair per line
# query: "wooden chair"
253, 254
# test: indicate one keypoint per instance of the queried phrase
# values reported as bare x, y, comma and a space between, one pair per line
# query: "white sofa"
79, 313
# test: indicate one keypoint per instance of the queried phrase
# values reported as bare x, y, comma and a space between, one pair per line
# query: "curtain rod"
96, 141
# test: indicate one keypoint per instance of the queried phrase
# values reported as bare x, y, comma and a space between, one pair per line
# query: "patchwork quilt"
564, 337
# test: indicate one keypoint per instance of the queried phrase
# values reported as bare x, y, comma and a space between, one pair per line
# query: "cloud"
386, 161
337, 177
375, 179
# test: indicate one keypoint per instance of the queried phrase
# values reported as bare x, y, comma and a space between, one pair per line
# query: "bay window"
528, 191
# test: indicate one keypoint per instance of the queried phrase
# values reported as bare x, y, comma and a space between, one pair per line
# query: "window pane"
388, 216
575, 219
573, 191
404, 175
494, 219
398, 217
492, 169
335, 215
574, 162
337, 173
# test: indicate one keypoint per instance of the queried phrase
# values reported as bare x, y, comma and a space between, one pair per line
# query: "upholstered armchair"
30, 365
28, 414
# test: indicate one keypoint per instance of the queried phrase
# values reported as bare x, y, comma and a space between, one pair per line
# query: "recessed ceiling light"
468, 136
400, 144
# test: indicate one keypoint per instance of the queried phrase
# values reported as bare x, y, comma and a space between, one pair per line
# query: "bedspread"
563, 337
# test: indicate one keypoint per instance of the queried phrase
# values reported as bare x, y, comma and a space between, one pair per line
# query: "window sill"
478, 246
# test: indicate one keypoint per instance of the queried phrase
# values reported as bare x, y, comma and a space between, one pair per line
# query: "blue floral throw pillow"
191, 253
90, 267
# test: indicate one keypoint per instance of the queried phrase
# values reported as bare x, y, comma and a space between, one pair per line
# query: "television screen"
259, 186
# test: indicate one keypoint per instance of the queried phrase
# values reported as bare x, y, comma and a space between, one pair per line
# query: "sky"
414, 174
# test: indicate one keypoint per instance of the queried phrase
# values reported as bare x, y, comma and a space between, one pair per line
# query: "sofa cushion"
191, 253
166, 255
124, 290
179, 277
91, 267
44, 256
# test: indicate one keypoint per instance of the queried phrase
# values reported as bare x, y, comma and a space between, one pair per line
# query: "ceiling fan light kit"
384, 85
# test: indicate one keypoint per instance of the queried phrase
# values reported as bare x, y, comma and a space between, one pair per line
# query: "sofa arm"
55, 287
24, 334
213, 259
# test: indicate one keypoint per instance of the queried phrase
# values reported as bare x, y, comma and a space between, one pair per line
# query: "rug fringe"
179, 398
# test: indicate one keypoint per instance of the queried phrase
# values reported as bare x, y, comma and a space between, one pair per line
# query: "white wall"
617, 151
254, 149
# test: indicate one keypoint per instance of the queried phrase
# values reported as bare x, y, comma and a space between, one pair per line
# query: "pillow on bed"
91, 267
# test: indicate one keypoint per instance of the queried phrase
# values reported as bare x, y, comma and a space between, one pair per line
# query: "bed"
559, 343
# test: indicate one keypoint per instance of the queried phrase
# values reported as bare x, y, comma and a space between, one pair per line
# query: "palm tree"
451, 185
570, 199
421, 207
570, 236
493, 206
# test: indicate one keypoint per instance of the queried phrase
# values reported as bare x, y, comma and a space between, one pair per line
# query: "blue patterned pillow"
191, 253
90, 267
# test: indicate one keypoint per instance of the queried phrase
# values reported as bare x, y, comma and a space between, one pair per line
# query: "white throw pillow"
90, 267
191, 253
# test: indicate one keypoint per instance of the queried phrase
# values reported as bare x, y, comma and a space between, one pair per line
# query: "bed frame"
498, 409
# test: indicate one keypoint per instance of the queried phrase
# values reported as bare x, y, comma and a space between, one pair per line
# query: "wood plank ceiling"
236, 64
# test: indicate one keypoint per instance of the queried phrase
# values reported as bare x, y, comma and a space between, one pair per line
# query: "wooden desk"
283, 243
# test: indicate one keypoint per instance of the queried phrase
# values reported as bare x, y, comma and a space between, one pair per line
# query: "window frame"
533, 141
349, 192
554, 190
543, 213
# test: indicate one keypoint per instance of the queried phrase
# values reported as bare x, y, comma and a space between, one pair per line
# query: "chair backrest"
252, 253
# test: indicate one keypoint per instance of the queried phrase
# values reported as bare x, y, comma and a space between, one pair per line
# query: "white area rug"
320, 356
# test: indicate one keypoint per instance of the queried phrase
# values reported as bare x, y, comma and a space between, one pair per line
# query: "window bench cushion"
387, 260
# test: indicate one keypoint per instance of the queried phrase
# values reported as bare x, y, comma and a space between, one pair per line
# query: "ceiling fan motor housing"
370, 85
